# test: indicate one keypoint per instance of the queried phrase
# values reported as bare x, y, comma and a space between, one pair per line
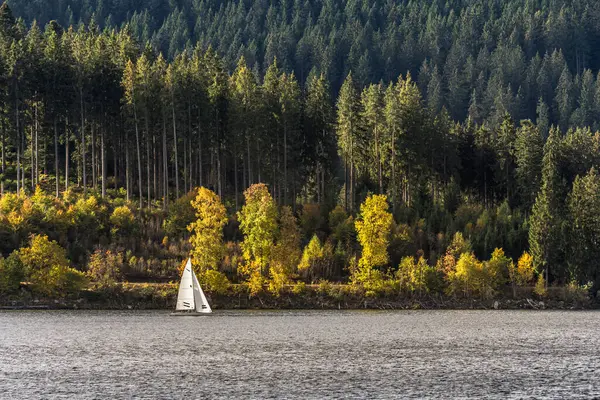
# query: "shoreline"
336, 297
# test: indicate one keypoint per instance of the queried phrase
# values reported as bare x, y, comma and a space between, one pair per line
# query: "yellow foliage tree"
499, 267
373, 228
412, 274
258, 223
47, 267
122, 220
207, 230
525, 270
471, 277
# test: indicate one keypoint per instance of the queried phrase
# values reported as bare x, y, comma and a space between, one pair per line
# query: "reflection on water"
300, 354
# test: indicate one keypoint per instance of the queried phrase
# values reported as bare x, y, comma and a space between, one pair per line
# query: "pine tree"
348, 131
372, 117
545, 232
584, 232
529, 151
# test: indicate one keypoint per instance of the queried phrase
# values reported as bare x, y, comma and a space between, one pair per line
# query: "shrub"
540, 286
122, 221
105, 267
47, 268
310, 219
181, 215
299, 288
11, 273
215, 281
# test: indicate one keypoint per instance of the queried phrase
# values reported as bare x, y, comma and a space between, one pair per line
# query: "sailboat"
191, 299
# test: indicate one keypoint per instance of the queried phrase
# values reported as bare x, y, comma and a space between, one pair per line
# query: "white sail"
202, 305
185, 298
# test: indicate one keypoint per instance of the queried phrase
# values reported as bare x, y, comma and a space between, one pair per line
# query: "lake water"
300, 354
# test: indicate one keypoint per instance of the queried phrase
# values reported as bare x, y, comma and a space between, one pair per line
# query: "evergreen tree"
546, 224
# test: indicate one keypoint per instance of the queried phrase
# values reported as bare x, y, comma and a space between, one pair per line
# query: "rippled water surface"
300, 354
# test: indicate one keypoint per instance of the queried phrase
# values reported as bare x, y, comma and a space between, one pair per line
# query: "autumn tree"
258, 223
373, 229
47, 268
207, 230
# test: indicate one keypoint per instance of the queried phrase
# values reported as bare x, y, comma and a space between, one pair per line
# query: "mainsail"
185, 298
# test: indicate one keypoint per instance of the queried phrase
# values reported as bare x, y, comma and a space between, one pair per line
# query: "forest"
461, 167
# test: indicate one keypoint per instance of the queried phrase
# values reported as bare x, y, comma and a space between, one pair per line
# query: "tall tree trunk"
37, 154
249, 182
185, 175
103, 161
146, 120
83, 142
32, 156
175, 147
56, 156
165, 164
154, 160
139, 155
67, 154
3, 159
379, 166
18, 136
127, 168
285, 151
93, 146
235, 180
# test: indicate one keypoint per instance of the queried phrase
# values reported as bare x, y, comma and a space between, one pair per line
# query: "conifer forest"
410, 147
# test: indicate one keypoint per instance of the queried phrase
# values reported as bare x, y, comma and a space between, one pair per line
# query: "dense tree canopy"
470, 117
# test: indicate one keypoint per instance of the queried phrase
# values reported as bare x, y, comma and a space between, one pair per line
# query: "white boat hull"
188, 314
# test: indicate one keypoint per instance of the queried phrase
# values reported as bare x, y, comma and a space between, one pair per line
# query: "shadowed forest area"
404, 148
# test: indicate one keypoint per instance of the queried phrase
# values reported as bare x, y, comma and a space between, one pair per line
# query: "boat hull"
188, 314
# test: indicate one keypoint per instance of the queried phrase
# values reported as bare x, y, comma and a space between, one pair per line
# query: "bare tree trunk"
103, 161
154, 159
147, 155
139, 155
249, 182
32, 156
56, 156
67, 155
83, 142
285, 151
185, 175
165, 165
37, 154
235, 179
94, 175
3, 159
18, 135
175, 147
127, 169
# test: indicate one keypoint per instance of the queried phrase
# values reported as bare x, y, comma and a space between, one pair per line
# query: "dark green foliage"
11, 274
326, 103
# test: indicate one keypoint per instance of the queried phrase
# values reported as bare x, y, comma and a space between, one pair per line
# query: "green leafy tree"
11, 274
258, 223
